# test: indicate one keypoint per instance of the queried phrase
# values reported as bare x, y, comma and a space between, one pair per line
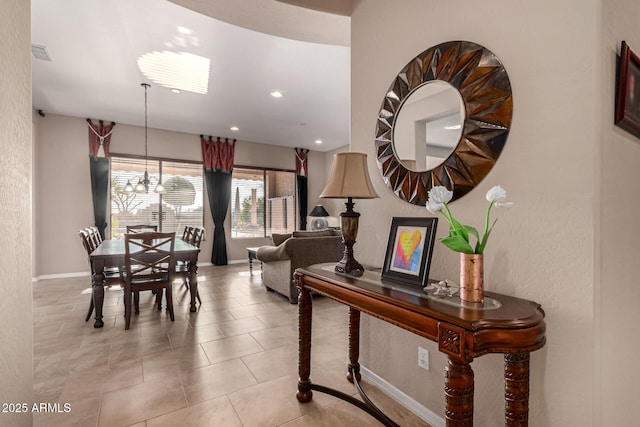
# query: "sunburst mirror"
458, 90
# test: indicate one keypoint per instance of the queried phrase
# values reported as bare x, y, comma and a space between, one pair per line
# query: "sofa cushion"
320, 233
279, 238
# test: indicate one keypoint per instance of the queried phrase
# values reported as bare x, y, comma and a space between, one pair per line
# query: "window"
263, 202
180, 205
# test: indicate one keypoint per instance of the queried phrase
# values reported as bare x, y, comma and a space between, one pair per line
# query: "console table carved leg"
458, 389
304, 393
354, 344
516, 389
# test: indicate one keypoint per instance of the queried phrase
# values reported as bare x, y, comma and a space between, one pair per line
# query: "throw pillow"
320, 233
279, 238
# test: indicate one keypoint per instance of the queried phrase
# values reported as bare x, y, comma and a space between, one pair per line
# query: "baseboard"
60, 276
423, 413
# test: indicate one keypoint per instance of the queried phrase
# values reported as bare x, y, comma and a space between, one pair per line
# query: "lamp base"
350, 266
349, 223
319, 224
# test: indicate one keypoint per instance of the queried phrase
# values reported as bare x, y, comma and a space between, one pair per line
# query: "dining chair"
96, 238
198, 236
142, 228
182, 268
112, 275
149, 265
187, 233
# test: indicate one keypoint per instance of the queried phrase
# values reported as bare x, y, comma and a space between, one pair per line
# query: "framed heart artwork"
409, 249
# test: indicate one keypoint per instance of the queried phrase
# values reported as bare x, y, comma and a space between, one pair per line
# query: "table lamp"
319, 213
349, 179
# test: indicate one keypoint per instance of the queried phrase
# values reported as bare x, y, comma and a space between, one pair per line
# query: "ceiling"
94, 47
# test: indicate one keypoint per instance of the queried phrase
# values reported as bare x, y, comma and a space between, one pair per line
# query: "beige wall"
16, 316
63, 191
618, 293
542, 249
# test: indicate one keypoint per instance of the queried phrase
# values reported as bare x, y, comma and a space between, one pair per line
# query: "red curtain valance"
99, 138
301, 162
217, 155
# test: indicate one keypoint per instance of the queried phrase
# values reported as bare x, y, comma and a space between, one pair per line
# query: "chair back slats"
87, 241
149, 256
97, 238
91, 238
198, 236
187, 234
142, 228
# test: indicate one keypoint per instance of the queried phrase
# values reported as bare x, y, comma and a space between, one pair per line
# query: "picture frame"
627, 111
409, 250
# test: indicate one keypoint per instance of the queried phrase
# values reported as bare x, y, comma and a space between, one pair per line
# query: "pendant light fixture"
143, 182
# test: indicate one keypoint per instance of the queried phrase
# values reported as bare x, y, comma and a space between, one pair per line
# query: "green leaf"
459, 229
481, 245
471, 230
457, 244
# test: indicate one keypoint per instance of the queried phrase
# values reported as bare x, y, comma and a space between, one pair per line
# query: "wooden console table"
463, 331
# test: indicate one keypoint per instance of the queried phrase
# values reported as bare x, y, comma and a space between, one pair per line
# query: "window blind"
180, 205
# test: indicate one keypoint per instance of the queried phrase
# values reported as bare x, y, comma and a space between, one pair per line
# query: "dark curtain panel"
217, 159
99, 169
302, 172
301, 183
219, 193
99, 140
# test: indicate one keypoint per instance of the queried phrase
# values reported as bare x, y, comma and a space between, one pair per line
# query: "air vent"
40, 52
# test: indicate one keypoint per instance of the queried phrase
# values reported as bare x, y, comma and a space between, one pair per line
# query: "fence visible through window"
262, 202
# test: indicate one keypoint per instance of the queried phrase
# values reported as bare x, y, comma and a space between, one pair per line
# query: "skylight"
179, 70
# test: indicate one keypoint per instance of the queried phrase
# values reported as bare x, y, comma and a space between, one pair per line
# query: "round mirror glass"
428, 126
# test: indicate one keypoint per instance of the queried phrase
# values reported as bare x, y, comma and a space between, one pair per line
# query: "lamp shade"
349, 178
319, 210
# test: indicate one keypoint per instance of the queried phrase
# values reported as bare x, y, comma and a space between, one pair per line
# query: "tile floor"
233, 363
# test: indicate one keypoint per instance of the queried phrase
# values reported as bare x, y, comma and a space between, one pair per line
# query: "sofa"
291, 251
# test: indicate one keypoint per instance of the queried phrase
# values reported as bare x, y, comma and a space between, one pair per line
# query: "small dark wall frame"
485, 89
409, 250
628, 91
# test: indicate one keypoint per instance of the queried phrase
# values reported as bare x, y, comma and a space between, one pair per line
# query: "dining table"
111, 253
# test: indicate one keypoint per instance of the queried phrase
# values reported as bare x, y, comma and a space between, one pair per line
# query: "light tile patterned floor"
233, 363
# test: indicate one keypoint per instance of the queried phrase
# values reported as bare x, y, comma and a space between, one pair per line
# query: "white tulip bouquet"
458, 240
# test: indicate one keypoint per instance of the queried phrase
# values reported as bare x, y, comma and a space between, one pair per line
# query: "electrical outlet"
423, 358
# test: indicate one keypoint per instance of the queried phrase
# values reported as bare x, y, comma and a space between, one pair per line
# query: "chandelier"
143, 182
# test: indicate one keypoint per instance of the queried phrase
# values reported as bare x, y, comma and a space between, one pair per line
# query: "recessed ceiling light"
174, 90
318, 141
453, 127
276, 94
184, 71
234, 128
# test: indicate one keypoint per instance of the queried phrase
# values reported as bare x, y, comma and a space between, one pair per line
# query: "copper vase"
472, 277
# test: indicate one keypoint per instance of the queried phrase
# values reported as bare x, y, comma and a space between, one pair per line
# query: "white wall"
63, 190
16, 317
543, 248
